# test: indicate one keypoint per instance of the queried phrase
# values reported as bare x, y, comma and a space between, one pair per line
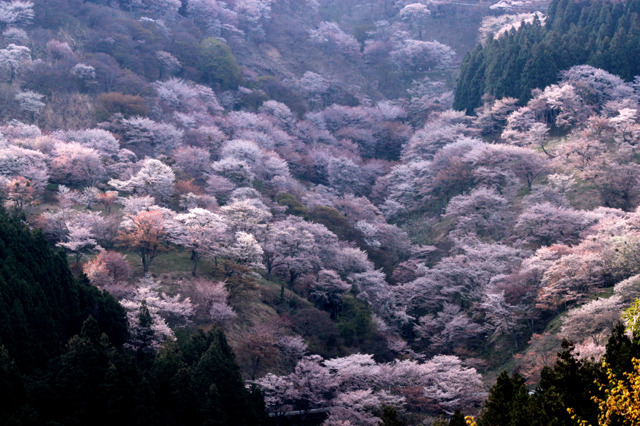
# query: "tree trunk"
145, 264
195, 258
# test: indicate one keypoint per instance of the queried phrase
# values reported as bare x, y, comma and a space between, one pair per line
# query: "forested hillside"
603, 34
280, 194
62, 358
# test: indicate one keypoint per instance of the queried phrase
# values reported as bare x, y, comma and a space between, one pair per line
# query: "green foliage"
457, 419
94, 379
336, 223
143, 337
280, 92
506, 401
339, 225
390, 417
293, 205
601, 34
218, 65
12, 389
41, 304
631, 317
195, 383
317, 329
571, 383
355, 322
112, 103
250, 101
621, 349
471, 85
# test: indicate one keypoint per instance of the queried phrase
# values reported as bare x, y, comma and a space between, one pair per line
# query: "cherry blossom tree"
254, 12
314, 84
459, 278
243, 150
30, 102
327, 291
416, 14
496, 164
281, 113
107, 269
350, 385
372, 287
593, 320
236, 171
185, 97
245, 215
571, 279
98, 139
219, 187
85, 73
290, 249
274, 170
492, 116
16, 13
452, 385
192, 160
309, 386
565, 107
154, 178
582, 152
16, 130
212, 15
545, 224
144, 232
596, 86
617, 182
345, 176
135, 204
245, 252
502, 317
76, 165
29, 164
211, 301
107, 199
522, 130
190, 201
14, 59
145, 135
360, 407
416, 56
200, 231
331, 34
147, 312
483, 212
79, 240
434, 135
448, 329
352, 260
54, 224
19, 193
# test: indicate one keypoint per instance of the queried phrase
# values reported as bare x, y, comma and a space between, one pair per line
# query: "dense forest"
603, 34
63, 358
319, 212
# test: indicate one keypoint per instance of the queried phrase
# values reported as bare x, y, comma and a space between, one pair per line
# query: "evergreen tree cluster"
570, 384
603, 34
42, 305
62, 358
